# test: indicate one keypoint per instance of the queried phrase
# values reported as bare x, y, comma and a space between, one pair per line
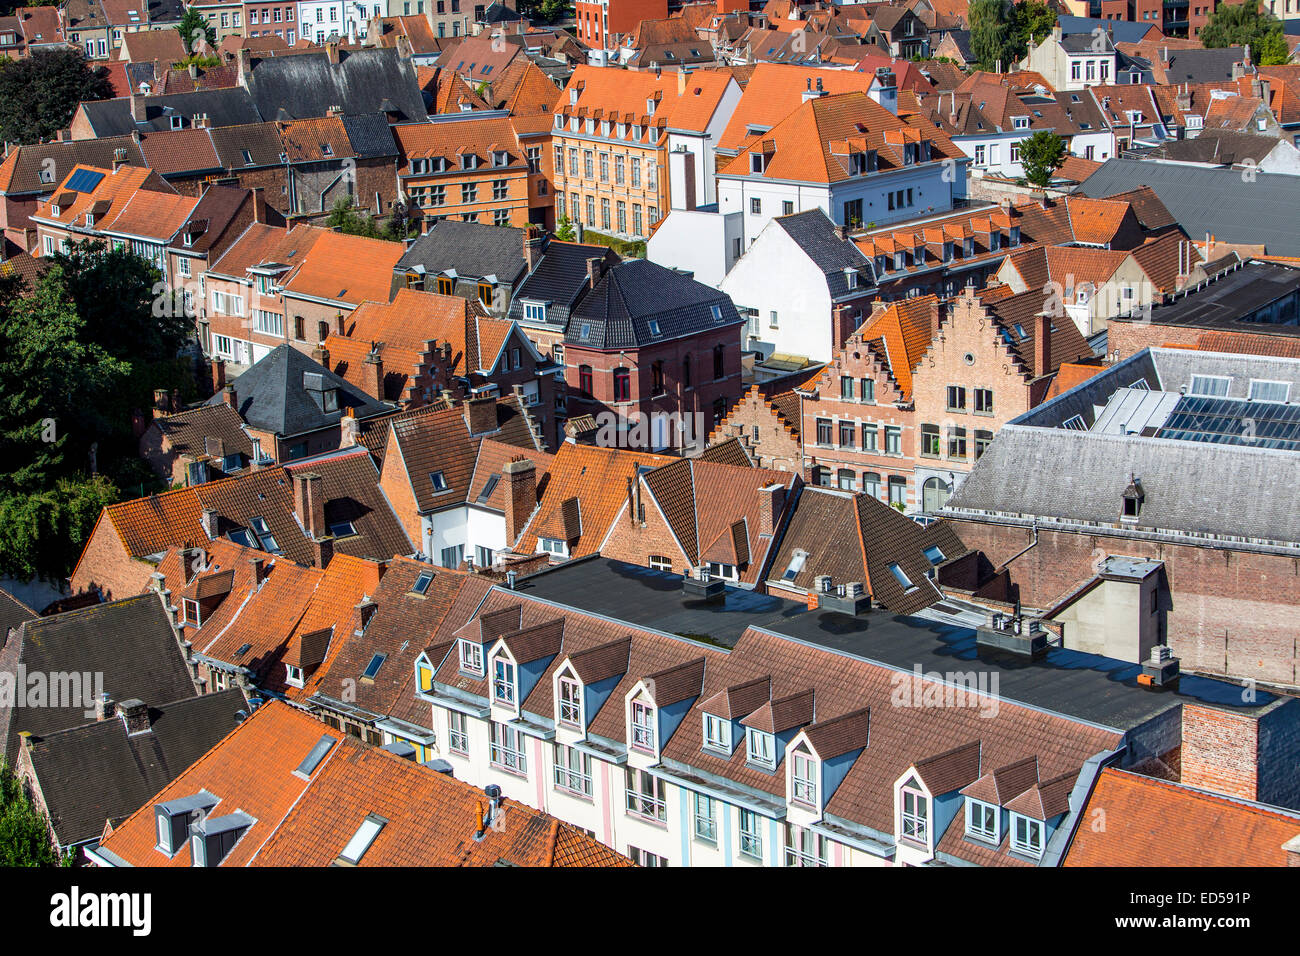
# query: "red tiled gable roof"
178, 151
607, 94
344, 268
326, 621
1249, 343
1153, 822
480, 136
532, 100
1071, 374
261, 244
315, 140
492, 457
116, 189
164, 45
902, 333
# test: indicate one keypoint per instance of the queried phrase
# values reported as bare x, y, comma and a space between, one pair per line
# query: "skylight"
422, 582
315, 756
490, 487
372, 668
934, 555
796, 565
264, 536
362, 839
654, 327
438, 481
901, 576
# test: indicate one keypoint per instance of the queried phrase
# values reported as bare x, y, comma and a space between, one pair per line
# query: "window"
867, 390
717, 733
870, 434
979, 154
718, 368
824, 432
1026, 835
636, 174
264, 536
901, 577
893, 440
957, 443
930, 441
1209, 386
760, 748
751, 835
956, 398
445, 286
803, 847
584, 379
372, 668
983, 401
645, 796
915, 816
706, 820
503, 681
507, 749
570, 702
898, 491
803, 779
982, 821
190, 612
643, 727
756, 206
471, 657
553, 546
982, 441
846, 434
845, 479
572, 770
646, 858
846, 388
618, 170
622, 385
457, 733
1075, 423
438, 481
1266, 391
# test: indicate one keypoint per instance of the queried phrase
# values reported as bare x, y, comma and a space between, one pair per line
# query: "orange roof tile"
904, 329
345, 268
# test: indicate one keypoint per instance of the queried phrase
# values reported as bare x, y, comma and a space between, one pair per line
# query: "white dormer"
503, 683
570, 709
913, 819
803, 783
642, 718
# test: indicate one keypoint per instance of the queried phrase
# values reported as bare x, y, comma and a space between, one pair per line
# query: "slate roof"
363, 82
814, 233
96, 773
1120, 31
189, 430
617, 313
1214, 201
560, 279
228, 107
12, 612
273, 398
1202, 66
370, 136
471, 249
1221, 147
21, 170
261, 140
130, 642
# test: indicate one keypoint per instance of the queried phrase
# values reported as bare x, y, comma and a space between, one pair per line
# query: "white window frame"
471, 657
705, 818
1031, 826
976, 812
570, 702
717, 733
803, 778
751, 835
651, 805
507, 749
644, 734
458, 733
572, 771
504, 677
914, 823
760, 748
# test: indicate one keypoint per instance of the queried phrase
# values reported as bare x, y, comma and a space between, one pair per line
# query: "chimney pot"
521, 496
309, 503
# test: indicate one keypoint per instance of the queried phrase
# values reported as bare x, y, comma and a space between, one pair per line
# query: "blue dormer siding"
671, 717
834, 771
595, 695
529, 674
945, 807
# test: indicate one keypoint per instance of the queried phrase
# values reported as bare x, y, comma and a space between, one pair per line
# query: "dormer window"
982, 821
755, 163
175, 817
570, 702
803, 779
1026, 835
190, 612
717, 733
422, 583
471, 657
643, 727
1020, 122
293, 675
970, 246
760, 748
1133, 498
914, 815
650, 106
503, 682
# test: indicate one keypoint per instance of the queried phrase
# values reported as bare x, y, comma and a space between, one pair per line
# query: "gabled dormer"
1035, 815
817, 761
721, 715
174, 818
986, 817
927, 797
770, 728
474, 638
583, 683
655, 708
517, 662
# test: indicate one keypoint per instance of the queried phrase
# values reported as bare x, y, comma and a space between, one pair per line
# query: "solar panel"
85, 180
1234, 422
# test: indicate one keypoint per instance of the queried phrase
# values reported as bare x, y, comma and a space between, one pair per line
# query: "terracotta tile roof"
261, 243
1003, 784
328, 618
493, 455
192, 432
1077, 169
251, 770
1071, 374
344, 268
1153, 822
179, 151
430, 820
323, 139
1016, 314
606, 94
451, 94
728, 452
165, 45
1159, 258
479, 136
1045, 799
597, 479
1249, 343
902, 332
113, 191
529, 95
148, 214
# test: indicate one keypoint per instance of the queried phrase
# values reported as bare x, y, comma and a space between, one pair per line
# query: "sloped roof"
346, 268
830, 250
468, 248
188, 431
363, 82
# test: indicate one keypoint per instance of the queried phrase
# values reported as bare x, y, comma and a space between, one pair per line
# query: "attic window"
361, 840
901, 577
760, 748
315, 756
491, 485
716, 310
797, 561
243, 649
585, 332
654, 327
755, 162
372, 668
178, 122
190, 612
343, 529
326, 149
438, 481
422, 582
264, 536
1020, 122
717, 733
248, 157
934, 555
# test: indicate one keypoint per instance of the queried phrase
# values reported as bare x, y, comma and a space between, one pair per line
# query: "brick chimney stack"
521, 496
309, 503
771, 502
218, 375
481, 415
372, 377
1042, 344
135, 715
595, 269
231, 397
259, 570
532, 248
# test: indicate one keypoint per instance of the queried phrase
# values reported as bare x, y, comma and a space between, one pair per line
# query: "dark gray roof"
307, 85
814, 233
225, 107
962, 39
130, 642
1121, 31
559, 280
370, 136
1083, 686
1223, 147
12, 612
1202, 66
96, 773
1083, 43
273, 398
499, 13
262, 140
90, 152
618, 312
1199, 488
471, 249
1214, 201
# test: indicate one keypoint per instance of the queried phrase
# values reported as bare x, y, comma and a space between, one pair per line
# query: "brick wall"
396, 486
1219, 751
105, 565
1129, 337
1232, 612
770, 440
631, 542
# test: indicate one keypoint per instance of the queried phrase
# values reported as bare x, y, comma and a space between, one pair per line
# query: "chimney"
332, 51
521, 496
119, 158
231, 397
771, 502
532, 248
218, 375
372, 376
681, 81
241, 66
481, 415
595, 269
321, 354
259, 205
1042, 344
309, 503
138, 108
160, 403
135, 715
104, 707
209, 522
1292, 848
350, 431
259, 570
322, 551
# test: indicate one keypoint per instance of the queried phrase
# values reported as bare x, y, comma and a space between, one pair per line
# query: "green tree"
1238, 24
193, 27
1031, 20
990, 33
552, 10
39, 94
44, 533
344, 217
1271, 49
24, 835
1041, 155
564, 230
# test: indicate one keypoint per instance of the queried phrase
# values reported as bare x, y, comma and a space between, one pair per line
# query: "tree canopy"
24, 836
564, 230
193, 27
1001, 30
1041, 154
39, 94
1241, 23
